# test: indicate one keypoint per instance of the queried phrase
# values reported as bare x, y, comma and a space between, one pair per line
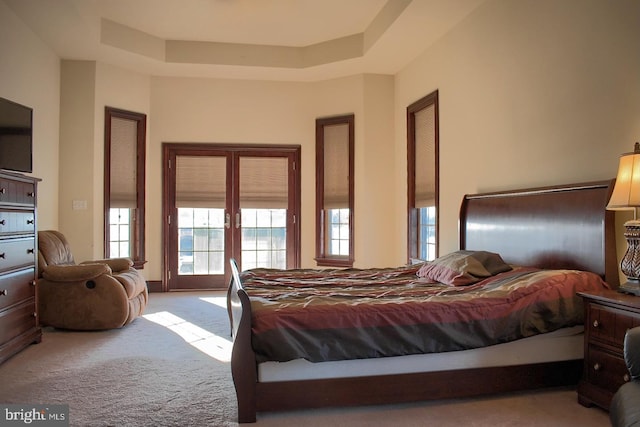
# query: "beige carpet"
170, 368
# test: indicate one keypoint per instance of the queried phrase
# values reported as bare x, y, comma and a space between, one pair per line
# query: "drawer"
17, 192
16, 253
610, 325
605, 370
16, 287
12, 222
17, 320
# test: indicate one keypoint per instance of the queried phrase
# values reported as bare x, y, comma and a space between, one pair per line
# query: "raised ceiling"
297, 40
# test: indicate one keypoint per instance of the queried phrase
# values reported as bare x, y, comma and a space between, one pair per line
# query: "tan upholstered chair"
92, 295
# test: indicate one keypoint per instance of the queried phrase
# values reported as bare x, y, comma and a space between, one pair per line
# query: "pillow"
462, 268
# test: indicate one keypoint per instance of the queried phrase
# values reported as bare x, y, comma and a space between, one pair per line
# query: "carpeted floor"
170, 368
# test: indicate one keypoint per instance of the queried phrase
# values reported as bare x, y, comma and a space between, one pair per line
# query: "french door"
223, 201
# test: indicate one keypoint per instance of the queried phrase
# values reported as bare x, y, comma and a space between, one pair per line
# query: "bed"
561, 228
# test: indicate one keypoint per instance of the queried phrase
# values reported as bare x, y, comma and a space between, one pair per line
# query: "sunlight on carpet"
209, 343
219, 301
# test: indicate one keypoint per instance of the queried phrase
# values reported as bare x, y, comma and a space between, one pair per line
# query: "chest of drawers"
18, 257
608, 316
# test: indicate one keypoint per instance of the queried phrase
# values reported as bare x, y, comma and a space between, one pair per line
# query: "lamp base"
630, 264
631, 287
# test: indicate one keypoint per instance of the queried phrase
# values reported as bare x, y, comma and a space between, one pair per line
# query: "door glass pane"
200, 241
263, 208
200, 197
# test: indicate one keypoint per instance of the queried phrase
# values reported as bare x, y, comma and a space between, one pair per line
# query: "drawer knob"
3, 292
30, 250
626, 378
33, 283
2, 222
31, 221
597, 367
3, 190
596, 324
2, 255
31, 194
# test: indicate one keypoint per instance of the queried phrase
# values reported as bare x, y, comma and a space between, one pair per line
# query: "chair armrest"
75, 273
116, 264
632, 351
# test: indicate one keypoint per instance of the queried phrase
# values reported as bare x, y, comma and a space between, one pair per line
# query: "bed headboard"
549, 227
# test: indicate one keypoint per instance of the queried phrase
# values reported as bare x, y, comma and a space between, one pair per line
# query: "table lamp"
625, 196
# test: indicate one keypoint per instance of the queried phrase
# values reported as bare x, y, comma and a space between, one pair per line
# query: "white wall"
30, 75
532, 93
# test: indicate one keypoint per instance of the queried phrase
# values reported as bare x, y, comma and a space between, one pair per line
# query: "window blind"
425, 141
201, 181
122, 185
264, 182
336, 166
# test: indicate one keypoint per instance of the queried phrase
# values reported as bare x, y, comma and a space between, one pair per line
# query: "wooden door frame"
169, 153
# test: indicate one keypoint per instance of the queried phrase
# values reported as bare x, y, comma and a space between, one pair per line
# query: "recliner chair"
624, 410
93, 295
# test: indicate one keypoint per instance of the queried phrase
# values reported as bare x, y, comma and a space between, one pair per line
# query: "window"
334, 191
422, 176
124, 185
119, 232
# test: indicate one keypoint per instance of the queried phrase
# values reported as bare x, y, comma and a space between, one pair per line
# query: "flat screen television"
16, 134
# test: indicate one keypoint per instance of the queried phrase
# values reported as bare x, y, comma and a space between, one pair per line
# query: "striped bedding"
323, 315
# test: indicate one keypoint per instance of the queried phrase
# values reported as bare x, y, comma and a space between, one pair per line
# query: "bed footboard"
243, 359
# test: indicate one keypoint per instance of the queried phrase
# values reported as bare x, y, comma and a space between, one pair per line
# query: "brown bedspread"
322, 315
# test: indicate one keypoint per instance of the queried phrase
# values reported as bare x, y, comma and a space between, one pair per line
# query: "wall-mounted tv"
16, 136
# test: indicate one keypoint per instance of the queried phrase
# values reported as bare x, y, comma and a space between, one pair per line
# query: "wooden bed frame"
551, 227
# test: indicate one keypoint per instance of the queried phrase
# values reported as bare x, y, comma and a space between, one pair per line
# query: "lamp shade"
626, 192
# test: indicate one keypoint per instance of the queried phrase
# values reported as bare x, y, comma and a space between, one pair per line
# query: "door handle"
237, 219
227, 221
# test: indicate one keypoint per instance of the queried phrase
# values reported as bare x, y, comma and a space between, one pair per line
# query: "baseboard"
154, 285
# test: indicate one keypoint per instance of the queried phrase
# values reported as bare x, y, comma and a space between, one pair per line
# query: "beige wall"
30, 75
532, 93
375, 160
78, 173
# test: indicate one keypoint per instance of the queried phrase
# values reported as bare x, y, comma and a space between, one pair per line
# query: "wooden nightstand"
608, 316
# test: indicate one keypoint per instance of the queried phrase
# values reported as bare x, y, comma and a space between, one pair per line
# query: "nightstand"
608, 316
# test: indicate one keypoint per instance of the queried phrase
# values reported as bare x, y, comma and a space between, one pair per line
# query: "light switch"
79, 205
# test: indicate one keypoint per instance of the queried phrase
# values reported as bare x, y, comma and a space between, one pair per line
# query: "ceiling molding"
253, 55
287, 40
